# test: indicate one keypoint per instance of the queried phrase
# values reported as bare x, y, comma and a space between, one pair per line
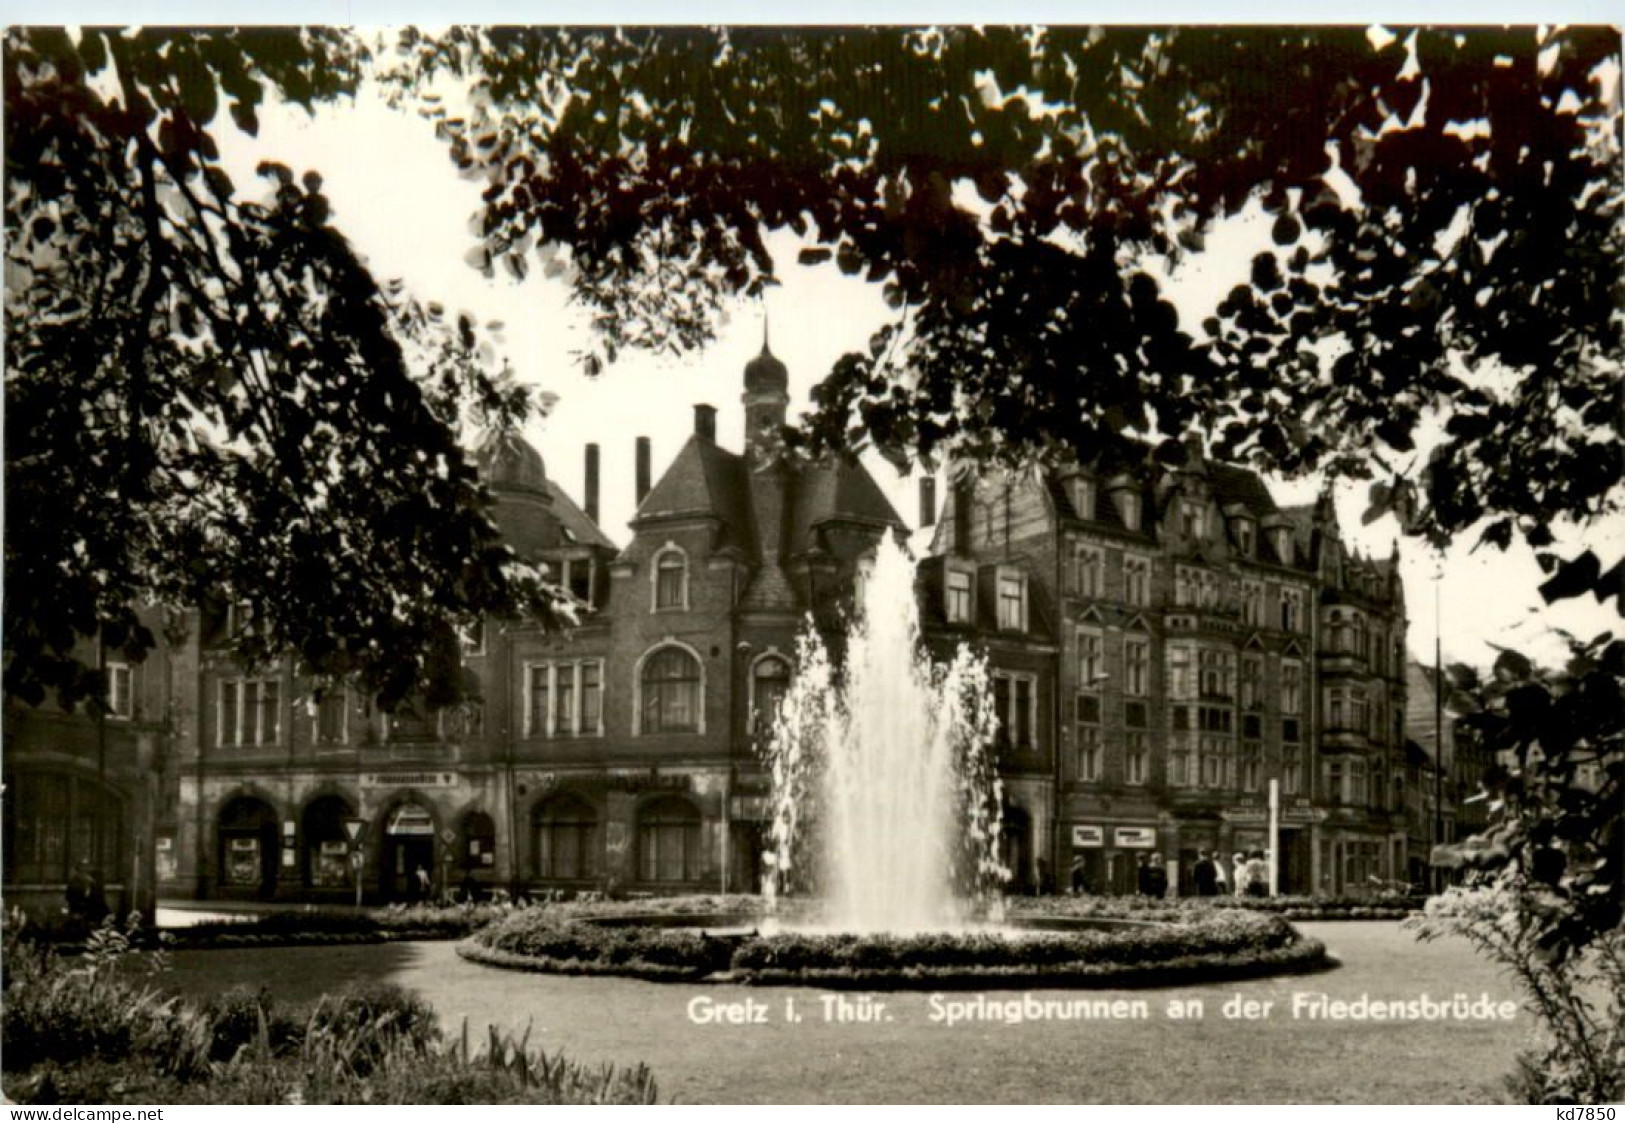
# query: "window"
1091, 663
578, 579
412, 720
1292, 610
473, 638
239, 615
1015, 699
1358, 796
330, 723
959, 597
770, 681
1193, 517
1334, 781
1252, 726
566, 699
1218, 673
669, 841
1252, 603
1137, 581
671, 693
1088, 753
1181, 762
54, 822
249, 712
1210, 590
1291, 775
566, 829
1083, 497
1379, 790
1012, 602
1213, 750
1187, 587
1252, 759
1291, 730
1244, 537
1252, 682
120, 696
1135, 715
1086, 570
1128, 506
1291, 687
671, 579
1136, 758
1181, 677
1136, 666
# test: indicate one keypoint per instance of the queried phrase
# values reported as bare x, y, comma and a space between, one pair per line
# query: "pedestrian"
423, 883
96, 909
1142, 877
1159, 877
1240, 867
1258, 875
1078, 883
1205, 875
1221, 887
76, 894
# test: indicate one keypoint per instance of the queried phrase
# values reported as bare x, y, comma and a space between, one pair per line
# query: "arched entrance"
408, 853
326, 863
249, 846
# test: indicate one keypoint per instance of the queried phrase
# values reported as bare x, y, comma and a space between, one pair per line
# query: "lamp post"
1438, 731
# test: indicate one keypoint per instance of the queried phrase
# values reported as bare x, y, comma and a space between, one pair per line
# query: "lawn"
904, 1057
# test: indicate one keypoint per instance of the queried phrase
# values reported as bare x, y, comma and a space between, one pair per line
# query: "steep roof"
842, 491
577, 528
705, 480
1241, 485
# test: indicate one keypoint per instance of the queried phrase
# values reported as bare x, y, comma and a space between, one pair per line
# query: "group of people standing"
1250, 873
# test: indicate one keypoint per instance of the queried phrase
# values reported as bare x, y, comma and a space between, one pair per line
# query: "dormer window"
1283, 545
1012, 602
1083, 497
1244, 537
670, 579
1128, 507
1194, 519
861, 576
959, 604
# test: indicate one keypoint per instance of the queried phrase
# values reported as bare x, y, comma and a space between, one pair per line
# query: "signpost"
353, 829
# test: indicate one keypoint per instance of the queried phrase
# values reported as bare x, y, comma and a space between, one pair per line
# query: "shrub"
94, 1032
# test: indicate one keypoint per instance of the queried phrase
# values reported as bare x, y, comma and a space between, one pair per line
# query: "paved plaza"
903, 1055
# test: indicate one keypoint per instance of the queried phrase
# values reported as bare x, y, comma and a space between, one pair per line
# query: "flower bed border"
1273, 947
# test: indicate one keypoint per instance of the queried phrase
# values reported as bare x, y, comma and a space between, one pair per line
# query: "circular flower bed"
724, 948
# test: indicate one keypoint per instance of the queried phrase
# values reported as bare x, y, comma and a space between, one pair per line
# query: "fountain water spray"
886, 802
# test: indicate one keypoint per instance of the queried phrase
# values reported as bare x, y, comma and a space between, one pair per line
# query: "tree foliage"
209, 398
1444, 211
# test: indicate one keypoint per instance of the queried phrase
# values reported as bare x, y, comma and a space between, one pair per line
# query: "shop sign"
1244, 815
1088, 837
1135, 838
409, 779
1303, 815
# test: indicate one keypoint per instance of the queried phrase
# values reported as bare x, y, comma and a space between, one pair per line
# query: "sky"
398, 198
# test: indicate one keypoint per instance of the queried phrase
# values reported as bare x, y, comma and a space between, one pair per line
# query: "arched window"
669, 841
769, 681
327, 845
566, 830
249, 845
671, 693
671, 578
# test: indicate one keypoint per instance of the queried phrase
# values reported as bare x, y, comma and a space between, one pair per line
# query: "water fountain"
884, 868
885, 798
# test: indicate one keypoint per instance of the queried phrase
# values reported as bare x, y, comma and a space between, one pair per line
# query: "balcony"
1343, 663
1344, 740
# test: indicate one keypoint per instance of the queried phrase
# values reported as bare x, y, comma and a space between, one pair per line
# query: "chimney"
705, 423
591, 486
928, 501
643, 469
